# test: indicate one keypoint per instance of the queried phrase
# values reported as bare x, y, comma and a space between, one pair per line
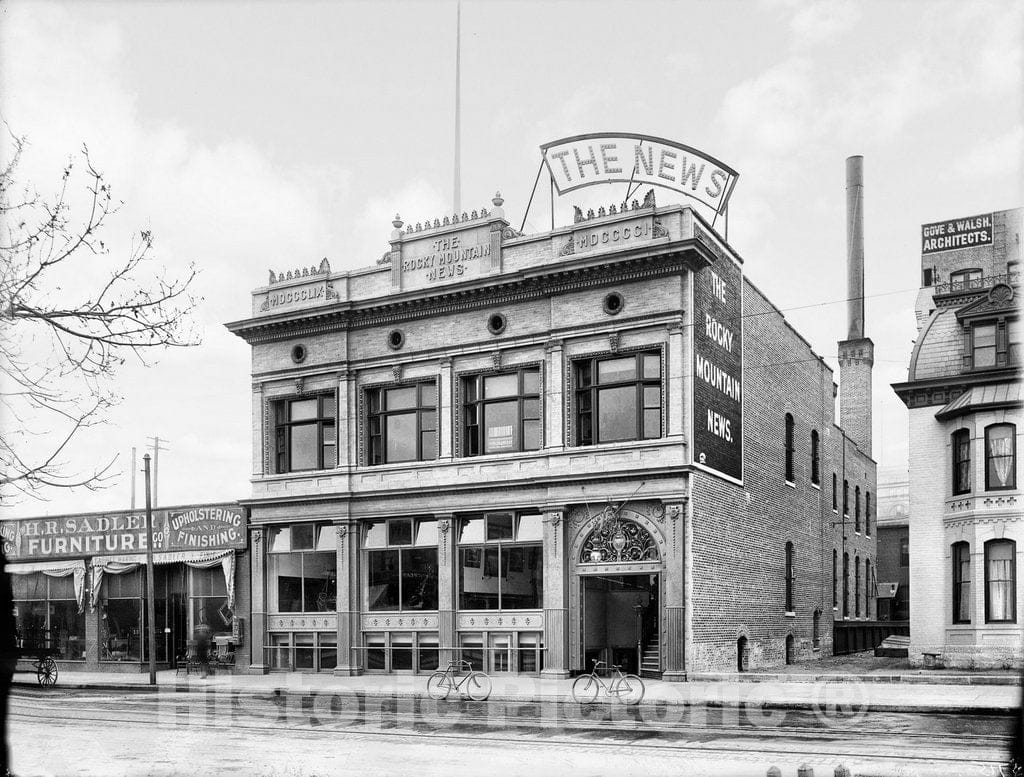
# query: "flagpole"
457, 187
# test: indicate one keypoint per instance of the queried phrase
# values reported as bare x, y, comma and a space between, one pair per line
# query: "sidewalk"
845, 692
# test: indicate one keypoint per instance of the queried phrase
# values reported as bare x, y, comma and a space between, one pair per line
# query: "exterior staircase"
650, 662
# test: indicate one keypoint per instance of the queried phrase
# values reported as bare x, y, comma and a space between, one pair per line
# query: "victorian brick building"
963, 396
534, 451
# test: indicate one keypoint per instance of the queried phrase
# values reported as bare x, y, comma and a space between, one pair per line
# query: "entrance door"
620, 616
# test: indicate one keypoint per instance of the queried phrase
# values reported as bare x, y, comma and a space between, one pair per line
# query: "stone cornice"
542, 281
939, 391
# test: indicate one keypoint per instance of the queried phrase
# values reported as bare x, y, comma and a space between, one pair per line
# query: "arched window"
846, 497
815, 458
1000, 457
961, 554
790, 476
846, 585
790, 578
856, 509
856, 586
869, 588
835, 578
1000, 581
835, 493
867, 513
961, 445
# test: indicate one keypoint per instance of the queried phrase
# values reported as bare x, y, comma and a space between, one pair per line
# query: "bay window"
1000, 581
1000, 457
961, 444
961, 553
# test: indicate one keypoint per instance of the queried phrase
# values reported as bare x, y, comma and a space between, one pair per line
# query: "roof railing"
976, 284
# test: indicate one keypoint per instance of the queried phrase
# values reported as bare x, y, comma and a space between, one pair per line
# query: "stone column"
445, 420
674, 593
447, 598
258, 627
556, 594
554, 396
350, 658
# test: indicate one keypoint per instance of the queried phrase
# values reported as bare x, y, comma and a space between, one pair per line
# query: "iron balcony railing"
976, 284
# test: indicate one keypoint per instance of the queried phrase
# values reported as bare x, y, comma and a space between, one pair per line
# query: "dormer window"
965, 279
983, 345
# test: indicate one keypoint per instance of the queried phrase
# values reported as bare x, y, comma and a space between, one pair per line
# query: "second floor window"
846, 497
618, 399
402, 423
856, 509
305, 433
501, 413
815, 458
790, 578
961, 443
1000, 457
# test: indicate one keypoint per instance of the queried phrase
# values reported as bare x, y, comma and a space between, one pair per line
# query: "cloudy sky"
257, 135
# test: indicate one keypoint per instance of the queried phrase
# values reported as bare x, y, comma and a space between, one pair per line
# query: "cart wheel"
46, 671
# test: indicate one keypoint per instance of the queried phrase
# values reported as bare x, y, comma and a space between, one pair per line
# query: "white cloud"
992, 157
814, 23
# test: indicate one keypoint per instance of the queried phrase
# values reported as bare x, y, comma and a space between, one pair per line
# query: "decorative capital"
496, 360
396, 372
257, 537
300, 385
613, 342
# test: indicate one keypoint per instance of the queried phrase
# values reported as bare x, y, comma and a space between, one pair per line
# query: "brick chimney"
856, 352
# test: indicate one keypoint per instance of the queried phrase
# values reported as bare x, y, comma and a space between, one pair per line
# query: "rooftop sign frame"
601, 157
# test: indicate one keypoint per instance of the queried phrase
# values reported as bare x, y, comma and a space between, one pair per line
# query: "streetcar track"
741, 752
487, 724
625, 724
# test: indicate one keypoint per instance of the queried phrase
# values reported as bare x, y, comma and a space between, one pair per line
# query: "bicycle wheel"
584, 689
478, 686
46, 672
630, 689
439, 686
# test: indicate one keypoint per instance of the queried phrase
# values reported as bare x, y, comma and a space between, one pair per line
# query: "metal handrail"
976, 284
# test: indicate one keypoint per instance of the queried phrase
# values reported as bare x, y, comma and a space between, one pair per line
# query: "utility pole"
156, 448
150, 598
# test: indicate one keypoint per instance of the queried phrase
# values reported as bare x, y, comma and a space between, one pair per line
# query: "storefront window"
401, 561
302, 567
46, 607
401, 651
500, 562
209, 597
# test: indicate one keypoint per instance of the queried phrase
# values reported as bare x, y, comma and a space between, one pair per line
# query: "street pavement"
915, 693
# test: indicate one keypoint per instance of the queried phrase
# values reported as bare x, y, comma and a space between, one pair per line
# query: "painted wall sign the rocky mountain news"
584, 160
718, 368
208, 527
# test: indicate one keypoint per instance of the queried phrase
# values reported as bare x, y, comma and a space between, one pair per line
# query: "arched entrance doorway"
620, 573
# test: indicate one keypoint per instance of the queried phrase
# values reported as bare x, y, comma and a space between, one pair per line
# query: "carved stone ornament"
613, 342
396, 372
496, 360
299, 385
659, 229
443, 526
567, 249
257, 537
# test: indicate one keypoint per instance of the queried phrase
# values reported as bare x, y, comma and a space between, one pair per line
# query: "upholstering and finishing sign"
718, 368
207, 527
584, 160
955, 234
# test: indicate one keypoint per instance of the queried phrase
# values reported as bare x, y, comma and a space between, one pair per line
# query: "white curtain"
1000, 581
75, 567
117, 565
1001, 454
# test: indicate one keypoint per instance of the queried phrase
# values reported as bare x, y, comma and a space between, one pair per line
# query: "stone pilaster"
447, 598
350, 658
554, 396
676, 403
673, 635
345, 420
556, 594
446, 420
260, 457
258, 627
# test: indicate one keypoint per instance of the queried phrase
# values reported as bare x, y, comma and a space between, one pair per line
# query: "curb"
910, 679
799, 706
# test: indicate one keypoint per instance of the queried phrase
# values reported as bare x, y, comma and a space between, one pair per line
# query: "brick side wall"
740, 533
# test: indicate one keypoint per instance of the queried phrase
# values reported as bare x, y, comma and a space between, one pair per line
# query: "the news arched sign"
585, 160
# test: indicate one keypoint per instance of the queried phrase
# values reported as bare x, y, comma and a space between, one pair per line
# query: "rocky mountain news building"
536, 450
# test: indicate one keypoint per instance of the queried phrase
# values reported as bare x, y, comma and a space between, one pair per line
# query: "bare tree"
71, 313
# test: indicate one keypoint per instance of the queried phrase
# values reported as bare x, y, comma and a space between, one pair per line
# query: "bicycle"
475, 685
627, 687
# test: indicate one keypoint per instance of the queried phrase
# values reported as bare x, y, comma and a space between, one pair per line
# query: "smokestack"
855, 246
856, 352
